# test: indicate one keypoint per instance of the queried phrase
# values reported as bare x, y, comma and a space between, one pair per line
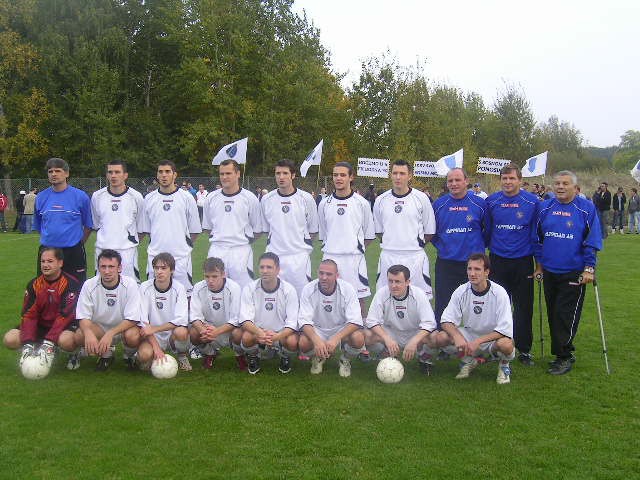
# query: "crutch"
604, 343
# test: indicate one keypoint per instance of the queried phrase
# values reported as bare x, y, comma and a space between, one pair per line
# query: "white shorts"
183, 273
352, 269
400, 337
416, 262
129, 262
469, 336
238, 262
296, 269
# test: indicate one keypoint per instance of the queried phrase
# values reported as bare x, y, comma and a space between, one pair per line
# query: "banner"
635, 172
373, 167
314, 158
491, 165
424, 169
448, 162
535, 166
234, 151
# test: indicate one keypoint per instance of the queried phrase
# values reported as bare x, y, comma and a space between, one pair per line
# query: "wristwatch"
589, 269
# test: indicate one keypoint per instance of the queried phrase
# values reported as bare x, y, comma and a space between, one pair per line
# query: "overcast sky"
579, 60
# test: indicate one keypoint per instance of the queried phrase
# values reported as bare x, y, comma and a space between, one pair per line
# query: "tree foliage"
628, 152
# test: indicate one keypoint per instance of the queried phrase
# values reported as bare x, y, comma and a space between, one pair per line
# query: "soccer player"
109, 304
171, 219
290, 218
63, 218
405, 222
478, 320
214, 314
330, 319
567, 236
511, 218
461, 220
232, 216
346, 228
269, 316
117, 215
400, 318
48, 311
164, 316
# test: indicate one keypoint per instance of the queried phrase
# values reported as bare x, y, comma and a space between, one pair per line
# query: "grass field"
224, 424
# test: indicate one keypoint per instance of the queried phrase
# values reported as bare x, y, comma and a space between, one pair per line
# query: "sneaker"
195, 353
73, 362
561, 366
526, 359
345, 367
241, 361
207, 361
316, 365
104, 363
364, 356
572, 359
183, 363
466, 368
131, 363
443, 356
504, 374
426, 367
285, 364
27, 351
254, 364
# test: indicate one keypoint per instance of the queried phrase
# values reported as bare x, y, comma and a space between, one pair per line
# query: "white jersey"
216, 308
233, 220
200, 197
329, 314
344, 224
403, 220
170, 219
117, 218
108, 307
158, 308
289, 220
480, 314
270, 310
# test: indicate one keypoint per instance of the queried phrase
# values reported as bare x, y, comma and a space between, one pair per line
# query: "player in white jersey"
404, 218
171, 219
330, 318
232, 216
117, 215
214, 314
108, 306
478, 320
401, 318
269, 316
290, 218
345, 229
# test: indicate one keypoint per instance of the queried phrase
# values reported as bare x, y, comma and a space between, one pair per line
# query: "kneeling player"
214, 313
48, 311
400, 317
330, 317
269, 316
164, 316
109, 304
478, 320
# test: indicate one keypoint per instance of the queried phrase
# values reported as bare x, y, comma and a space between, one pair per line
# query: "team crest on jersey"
569, 224
398, 208
160, 305
215, 306
328, 308
399, 313
114, 207
268, 306
477, 310
166, 207
469, 218
519, 215
340, 211
111, 302
285, 208
227, 208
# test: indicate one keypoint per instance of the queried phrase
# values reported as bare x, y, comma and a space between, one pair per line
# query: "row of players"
262, 320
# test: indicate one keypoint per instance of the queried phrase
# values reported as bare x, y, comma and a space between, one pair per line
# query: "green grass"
224, 424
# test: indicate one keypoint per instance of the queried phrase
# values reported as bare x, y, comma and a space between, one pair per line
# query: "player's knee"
236, 335
145, 352
505, 345
291, 342
67, 341
11, 339
131, 337
181, 334
194, 335
248, 339
356, 339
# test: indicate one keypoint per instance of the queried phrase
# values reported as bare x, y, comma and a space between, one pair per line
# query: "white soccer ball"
390, 370
165, 368
33, 368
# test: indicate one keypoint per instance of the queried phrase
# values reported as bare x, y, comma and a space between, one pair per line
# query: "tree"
628, 152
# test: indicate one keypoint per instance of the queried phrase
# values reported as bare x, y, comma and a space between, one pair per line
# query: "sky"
578, 60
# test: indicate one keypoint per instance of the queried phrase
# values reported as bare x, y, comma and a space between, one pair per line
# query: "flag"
448, 162
635, 171
535, 166
314, 158
234, 151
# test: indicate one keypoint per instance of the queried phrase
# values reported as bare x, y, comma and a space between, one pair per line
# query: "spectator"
201, 194
634, 211
619, 202
19, 211
318, 198
602, 201
477, 191
29, 209
4, 203
370, 195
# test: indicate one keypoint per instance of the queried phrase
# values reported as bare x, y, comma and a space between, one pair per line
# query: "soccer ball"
34, 369
390, 370
166, 368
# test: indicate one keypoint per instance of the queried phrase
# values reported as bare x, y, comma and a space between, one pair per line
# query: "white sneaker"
466, 368
73, 362
345, 367
183, 363
504, 374
316, 365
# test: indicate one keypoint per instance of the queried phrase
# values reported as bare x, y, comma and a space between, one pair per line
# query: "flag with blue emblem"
234, 151
448, 162
314, 158
635, 171
535, 166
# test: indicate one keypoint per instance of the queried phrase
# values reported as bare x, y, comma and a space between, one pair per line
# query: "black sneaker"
443, 356
526, 359
131, 363
572, 359
104, 364
285, 364
254, 364
426, 368
560, 367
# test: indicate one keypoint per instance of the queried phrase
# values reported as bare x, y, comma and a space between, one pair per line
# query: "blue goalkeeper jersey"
60, 217
511, 221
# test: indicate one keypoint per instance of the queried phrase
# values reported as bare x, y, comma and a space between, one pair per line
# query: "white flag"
635, 171
234, 151
314, 158
448, 162
535, 166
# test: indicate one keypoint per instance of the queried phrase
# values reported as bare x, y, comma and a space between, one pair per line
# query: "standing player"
404, 220
269, 316
171, 219
117, 215
290, 218
232, 216
400, 317
330, 319
567, 237
478, 320
214, 314
346, 228
511, 214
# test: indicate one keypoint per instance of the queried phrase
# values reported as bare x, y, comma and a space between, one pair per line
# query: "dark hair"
57, 163
511, 168
117, 161
285, 162
396, 269
162, 163
110, 255
270, 256
481, 256
213, 264
346, 165
165, 258
57, 252
229, 161
400, 163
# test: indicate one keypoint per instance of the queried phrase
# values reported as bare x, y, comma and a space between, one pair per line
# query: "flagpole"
318, 182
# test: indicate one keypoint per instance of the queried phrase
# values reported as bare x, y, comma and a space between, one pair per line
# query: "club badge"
111, 302
477, 310
166, 207
268, 306
398, 208
114, 207
160, 305
216, 306
341, 211
227, 208
399, 313
285, 208
328, 308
